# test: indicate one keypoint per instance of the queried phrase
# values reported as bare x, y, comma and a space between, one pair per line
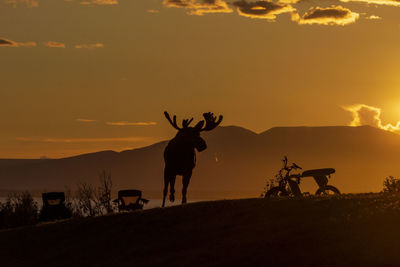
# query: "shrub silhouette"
391, 185
86, 200
92, 201
20, 209
271, 182
104, 192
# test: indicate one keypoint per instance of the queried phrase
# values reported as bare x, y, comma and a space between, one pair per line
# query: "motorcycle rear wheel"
329, 190
276, 192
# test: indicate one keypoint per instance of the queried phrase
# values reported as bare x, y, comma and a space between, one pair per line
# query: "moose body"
180, 154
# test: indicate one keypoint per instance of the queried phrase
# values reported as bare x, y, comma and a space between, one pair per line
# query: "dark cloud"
177, 3
9, 43
200, 7
99, 2
376, 2
334, 15
5, 42
261, 9
327, 13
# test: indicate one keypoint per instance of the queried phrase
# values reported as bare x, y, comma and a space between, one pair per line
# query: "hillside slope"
236, 163
350, 231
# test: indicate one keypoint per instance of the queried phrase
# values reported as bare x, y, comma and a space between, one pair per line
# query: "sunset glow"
199, 133
368, 115
101, 73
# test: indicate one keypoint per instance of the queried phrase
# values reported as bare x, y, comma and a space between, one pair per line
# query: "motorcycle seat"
318, 172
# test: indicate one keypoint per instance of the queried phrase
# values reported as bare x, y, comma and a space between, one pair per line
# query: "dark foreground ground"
357, 230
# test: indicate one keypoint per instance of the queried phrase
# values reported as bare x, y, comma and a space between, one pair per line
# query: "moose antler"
211, 122
173, 122
185, 123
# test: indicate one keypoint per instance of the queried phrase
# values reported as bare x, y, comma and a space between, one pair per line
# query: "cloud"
200, 7
85, 120
373, 17
121, 123
27, 3
126, 123
262, 9
54, 44
5, 42
84, 140
99, 2
9, 43
89, 46
369, 115
376, 2
291, 1
334, 15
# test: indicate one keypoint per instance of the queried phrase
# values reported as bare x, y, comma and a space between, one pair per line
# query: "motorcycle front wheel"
329, 190
275, 192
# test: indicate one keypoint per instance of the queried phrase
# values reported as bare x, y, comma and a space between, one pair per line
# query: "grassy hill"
357, 230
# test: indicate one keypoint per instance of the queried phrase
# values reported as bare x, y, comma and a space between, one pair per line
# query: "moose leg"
167, 178
185, 184
172, 188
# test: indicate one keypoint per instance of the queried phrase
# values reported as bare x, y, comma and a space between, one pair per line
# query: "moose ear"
199, 125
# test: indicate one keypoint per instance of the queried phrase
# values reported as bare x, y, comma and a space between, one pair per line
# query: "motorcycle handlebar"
295, 166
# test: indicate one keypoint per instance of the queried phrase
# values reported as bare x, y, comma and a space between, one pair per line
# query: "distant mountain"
236, 163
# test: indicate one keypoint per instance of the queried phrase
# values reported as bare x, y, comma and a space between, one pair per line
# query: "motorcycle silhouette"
288, 184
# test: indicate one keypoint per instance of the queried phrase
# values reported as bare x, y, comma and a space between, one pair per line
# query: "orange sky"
87, 75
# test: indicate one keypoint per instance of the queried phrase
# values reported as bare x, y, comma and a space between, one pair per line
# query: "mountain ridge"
237, 160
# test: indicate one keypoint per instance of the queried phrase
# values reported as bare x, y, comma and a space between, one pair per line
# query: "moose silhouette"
180, 155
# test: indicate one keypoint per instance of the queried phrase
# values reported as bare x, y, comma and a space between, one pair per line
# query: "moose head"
190, 136
180, 156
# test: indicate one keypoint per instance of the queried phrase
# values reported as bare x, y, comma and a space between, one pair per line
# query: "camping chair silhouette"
130, 200
54, 207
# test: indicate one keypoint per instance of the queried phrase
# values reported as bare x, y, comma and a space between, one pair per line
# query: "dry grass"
362, 230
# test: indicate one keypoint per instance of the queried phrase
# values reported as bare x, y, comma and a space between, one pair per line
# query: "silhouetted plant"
272, 182
104, 192
68, 195
69, 200
391, 185
269, 184
91, 201
86, 200
20, 209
